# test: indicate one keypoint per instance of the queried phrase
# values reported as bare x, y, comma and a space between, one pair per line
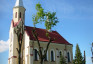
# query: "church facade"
29, 49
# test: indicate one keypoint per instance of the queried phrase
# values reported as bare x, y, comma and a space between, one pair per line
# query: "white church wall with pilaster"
57, 56
26, 48
31, 52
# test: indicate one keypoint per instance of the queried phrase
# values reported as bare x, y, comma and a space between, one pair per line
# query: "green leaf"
48, 18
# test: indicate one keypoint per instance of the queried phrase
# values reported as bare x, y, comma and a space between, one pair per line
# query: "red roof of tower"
42, 35
14, 24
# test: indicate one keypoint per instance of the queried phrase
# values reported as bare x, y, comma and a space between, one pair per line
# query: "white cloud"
4, 45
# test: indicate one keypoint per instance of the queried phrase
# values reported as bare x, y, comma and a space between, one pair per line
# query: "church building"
29, 49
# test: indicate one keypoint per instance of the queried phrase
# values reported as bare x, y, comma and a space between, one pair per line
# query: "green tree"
62, 60
50, 21
78, 56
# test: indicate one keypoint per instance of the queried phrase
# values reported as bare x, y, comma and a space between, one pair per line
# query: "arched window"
60, 53
20, 15
46, 57
68, 56
35, 54
16, 15
52, 55
65, 54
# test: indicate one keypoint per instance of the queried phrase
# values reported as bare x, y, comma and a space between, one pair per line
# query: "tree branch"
36, 37
47, 47
17, 50
38, 53
19, 31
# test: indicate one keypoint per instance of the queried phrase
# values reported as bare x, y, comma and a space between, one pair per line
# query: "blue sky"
75, 22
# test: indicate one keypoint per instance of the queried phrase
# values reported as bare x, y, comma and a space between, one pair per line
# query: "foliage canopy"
48, 18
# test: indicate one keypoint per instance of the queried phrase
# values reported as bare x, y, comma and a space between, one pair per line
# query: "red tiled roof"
42, 35
14, 24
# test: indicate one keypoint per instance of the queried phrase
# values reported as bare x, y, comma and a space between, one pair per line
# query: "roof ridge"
40, 28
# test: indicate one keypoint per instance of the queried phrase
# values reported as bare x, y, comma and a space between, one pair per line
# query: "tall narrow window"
35, 55
60, 53
20, 15
52, 56
45, 56
68, 56
16, 15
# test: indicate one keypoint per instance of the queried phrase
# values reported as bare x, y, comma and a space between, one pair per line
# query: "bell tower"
19, 11
17, 21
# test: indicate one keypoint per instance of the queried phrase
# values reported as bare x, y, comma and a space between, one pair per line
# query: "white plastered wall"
27, 50
13, 44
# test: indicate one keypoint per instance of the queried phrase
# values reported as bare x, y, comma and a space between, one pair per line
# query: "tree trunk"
41, 61
19, 56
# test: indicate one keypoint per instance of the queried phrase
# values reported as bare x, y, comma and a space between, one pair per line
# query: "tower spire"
19, 11
19, 3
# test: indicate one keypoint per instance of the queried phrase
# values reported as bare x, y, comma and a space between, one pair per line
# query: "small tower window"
16, 15
20, 15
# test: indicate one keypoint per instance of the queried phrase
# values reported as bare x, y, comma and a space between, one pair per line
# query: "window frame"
16, 15
69, 56
34, 54
46, 55
61, 53
20, 15
53, 55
